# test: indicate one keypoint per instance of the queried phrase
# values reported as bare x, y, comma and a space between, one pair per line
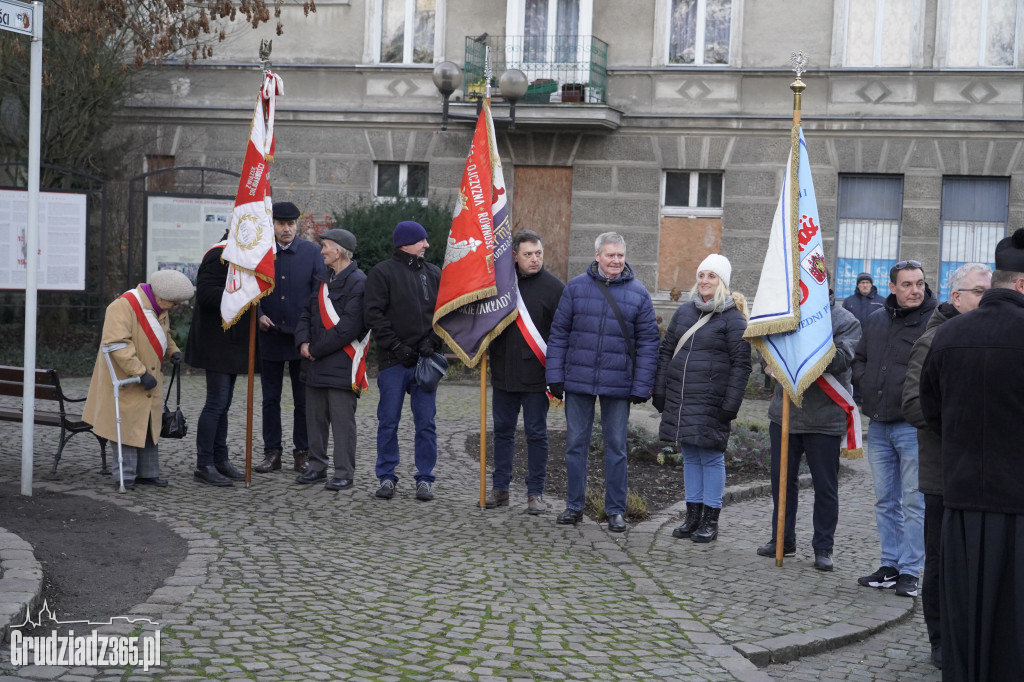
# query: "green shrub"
749, 446
72, 354
373, 224
636, 508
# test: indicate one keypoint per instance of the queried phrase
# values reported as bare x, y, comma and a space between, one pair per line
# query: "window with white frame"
881, 32
979, 33
692, 192
699, 31
975, 212
406, 29
395, 180
868, 216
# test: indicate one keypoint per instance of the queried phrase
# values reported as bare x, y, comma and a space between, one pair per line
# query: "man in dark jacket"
972, 394
401, 294
224, 355
329, 336
865, 300
879, 370
967, 284
296, 269
604, 344
816, 428
518, 356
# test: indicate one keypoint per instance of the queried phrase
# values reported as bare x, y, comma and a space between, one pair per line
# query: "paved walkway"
297, 583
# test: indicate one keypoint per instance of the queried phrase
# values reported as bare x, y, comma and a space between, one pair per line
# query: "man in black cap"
296, 269
972, 393
401, 294
329, 336
865, 300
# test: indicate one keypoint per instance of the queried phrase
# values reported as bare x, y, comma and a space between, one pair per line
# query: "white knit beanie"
718, 264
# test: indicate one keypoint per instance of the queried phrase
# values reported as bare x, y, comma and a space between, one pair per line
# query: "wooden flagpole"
799, 61
248, 401
483, 431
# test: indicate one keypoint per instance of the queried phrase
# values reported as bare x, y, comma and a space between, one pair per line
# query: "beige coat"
140, 408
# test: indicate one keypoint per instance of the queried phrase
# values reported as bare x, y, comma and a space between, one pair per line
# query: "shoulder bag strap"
174, 375
689, 332
622, 323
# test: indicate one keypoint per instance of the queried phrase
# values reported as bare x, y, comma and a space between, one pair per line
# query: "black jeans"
930, 585
823, 460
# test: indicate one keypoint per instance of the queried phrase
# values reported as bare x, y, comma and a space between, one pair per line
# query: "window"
699, 32
974, 217
979, 33
551, 18
693, 189
401, 180
868, 238
406, 31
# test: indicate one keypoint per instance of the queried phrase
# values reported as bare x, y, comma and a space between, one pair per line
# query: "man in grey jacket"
815, 428
966, 284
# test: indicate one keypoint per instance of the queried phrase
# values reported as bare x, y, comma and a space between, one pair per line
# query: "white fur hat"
718, 264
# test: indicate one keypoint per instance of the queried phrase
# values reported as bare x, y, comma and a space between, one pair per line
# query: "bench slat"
17, 389
9, 373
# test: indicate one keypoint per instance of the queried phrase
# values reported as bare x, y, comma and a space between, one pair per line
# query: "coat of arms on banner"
814, 264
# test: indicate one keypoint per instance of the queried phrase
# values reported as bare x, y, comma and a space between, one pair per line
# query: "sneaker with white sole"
535, 504
884, 578
906, 585
386, 490
424, 492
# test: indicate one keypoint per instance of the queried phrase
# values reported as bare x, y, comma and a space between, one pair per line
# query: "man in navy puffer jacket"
590, 357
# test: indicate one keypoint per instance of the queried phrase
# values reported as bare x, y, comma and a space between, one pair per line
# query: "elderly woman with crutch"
703, 366
135, 341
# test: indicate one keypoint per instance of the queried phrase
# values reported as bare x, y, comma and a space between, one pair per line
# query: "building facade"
665, 120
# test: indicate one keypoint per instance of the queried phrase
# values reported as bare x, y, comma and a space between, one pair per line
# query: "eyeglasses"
903, 264
978, 291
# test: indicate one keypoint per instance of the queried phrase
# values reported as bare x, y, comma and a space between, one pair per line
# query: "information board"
62, 221
180, 230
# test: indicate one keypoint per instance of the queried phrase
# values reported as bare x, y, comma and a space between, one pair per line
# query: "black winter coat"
971, 393
883, 353
208, 345
704, 383
331, 366
862, 306
514, 367
398, 305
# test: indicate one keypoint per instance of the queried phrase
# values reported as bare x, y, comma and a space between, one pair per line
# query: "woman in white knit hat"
703, 368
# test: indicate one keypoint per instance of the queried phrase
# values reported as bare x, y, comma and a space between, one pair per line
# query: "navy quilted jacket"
586, 350
704, 383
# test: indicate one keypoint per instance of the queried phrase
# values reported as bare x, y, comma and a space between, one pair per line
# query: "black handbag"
174, 424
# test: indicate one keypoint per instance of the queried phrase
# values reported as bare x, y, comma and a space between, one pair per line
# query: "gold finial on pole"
799, 61
265, 47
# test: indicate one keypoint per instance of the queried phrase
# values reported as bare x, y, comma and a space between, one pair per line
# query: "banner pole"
483, 431
248, 400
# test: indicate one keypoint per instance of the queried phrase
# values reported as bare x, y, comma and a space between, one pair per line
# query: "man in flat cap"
296, 270
401, 294
138, 319
972, 393
331, 337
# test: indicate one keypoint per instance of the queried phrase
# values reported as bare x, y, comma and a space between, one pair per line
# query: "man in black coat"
517, 375
865, 300
972, 393
879, 370
224, 355
399, 302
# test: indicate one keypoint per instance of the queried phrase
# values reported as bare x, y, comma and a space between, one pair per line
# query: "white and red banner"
355, 350
250, 247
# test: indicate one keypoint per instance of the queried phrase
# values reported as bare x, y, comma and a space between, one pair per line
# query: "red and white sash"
852, 445
356, 350
147, 320
532, 335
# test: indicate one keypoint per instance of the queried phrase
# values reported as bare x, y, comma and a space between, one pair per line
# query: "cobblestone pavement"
293, 582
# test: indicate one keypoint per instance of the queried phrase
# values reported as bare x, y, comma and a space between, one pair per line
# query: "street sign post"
27, 19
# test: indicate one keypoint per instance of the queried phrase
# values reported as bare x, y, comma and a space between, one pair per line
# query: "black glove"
659, 403
557, 390
725, 416
405, 355
176, 358
639, 399
426, 347
148, 381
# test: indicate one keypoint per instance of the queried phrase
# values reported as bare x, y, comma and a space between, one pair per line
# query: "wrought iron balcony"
558, 68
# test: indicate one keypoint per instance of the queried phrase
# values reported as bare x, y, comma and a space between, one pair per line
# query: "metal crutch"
118, 383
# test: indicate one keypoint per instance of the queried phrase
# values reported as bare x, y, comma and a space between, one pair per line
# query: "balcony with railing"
559, 69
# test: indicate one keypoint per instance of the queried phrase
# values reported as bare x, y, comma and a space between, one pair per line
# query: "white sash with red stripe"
355, 350
532, 336
147, 320
853, 446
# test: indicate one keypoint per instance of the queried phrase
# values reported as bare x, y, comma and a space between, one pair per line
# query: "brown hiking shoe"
496, 498
301, 460
535, 504
271, 462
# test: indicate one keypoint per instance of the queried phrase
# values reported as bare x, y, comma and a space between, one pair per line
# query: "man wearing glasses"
967, 283
971, 393
879, 371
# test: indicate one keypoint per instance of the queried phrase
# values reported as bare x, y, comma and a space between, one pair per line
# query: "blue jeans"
579, 421
899, 505
393, 383
212, 427
703, 475
272, 381
505, 409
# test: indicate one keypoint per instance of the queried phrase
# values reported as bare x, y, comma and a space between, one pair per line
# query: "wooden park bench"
12, 383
